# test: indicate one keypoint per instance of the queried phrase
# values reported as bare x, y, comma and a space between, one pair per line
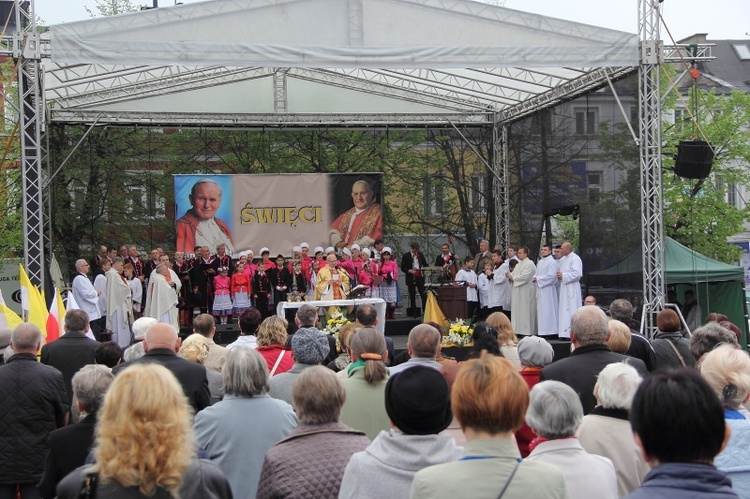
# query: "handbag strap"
682, 361
507, 483
276, 365
88, 485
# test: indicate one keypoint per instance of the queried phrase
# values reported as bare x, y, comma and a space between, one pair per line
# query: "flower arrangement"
335, 323
459, 333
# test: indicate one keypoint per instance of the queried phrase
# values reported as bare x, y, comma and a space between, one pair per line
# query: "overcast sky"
721, 19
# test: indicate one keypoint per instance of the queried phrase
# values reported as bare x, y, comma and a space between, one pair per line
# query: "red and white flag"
54, 319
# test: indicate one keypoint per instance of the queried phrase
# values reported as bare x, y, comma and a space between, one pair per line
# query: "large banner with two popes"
278, 211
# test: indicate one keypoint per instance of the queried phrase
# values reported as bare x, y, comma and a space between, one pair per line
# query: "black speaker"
694, 159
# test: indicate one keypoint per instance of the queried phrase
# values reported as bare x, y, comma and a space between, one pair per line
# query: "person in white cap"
348, 264
251, 267
312, 270
329, 250
366, 274
387, 280
306, 260
265, 260
356, 261
262, 284
361, 224
304, 249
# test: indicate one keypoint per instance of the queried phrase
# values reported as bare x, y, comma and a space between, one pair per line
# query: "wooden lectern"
452, 301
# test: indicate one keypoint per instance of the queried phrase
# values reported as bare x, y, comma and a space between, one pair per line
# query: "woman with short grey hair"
606, 430
320, 438
554, 414
222, 429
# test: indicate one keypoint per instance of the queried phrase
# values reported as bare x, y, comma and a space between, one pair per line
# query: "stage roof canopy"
325, 62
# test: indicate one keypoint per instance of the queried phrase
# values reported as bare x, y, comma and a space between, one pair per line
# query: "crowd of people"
168, 418
126, 287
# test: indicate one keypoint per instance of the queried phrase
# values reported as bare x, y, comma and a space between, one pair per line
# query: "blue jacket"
735, 459
685, 481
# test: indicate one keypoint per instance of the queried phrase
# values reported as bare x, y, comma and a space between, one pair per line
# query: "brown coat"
287, 469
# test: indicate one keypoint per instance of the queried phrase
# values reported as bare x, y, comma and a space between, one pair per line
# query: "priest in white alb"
119, 304
523, 318
570, 271
546, 295
162, 296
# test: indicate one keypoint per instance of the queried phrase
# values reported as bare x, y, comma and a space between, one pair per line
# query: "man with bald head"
34, 403
423, 346
86, 296
362, 224
161, 345
332, 282
570, 271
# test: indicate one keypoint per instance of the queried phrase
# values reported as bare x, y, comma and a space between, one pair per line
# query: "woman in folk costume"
119, 304
387, 280
366, 275
356, 261
246, 257
347, 264
241, 289
162, 296
312, 273
222, 295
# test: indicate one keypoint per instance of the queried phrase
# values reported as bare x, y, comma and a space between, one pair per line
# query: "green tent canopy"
718, 287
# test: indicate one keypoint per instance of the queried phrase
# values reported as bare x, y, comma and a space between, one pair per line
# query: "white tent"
337, 62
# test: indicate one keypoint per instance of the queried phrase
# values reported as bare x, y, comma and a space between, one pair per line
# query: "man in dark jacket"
412, 264
679, 424
71, 351
589, 329
33, 402
161, 345
640, 347
70, 446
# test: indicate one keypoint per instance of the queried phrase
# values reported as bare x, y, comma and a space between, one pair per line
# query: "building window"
434, 196
586, 121
743, 52
594, 185
478, 198
142, 199
732, 195
77, 192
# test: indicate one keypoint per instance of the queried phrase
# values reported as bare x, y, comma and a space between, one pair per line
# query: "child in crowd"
483, 288
299, 281
469, 278
136, 288
222, 295
241, 289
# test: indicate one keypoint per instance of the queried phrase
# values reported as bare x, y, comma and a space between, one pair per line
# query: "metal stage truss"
468, 97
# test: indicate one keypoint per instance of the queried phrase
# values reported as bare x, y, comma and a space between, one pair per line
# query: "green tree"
111, 7
696, 211
11, 221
